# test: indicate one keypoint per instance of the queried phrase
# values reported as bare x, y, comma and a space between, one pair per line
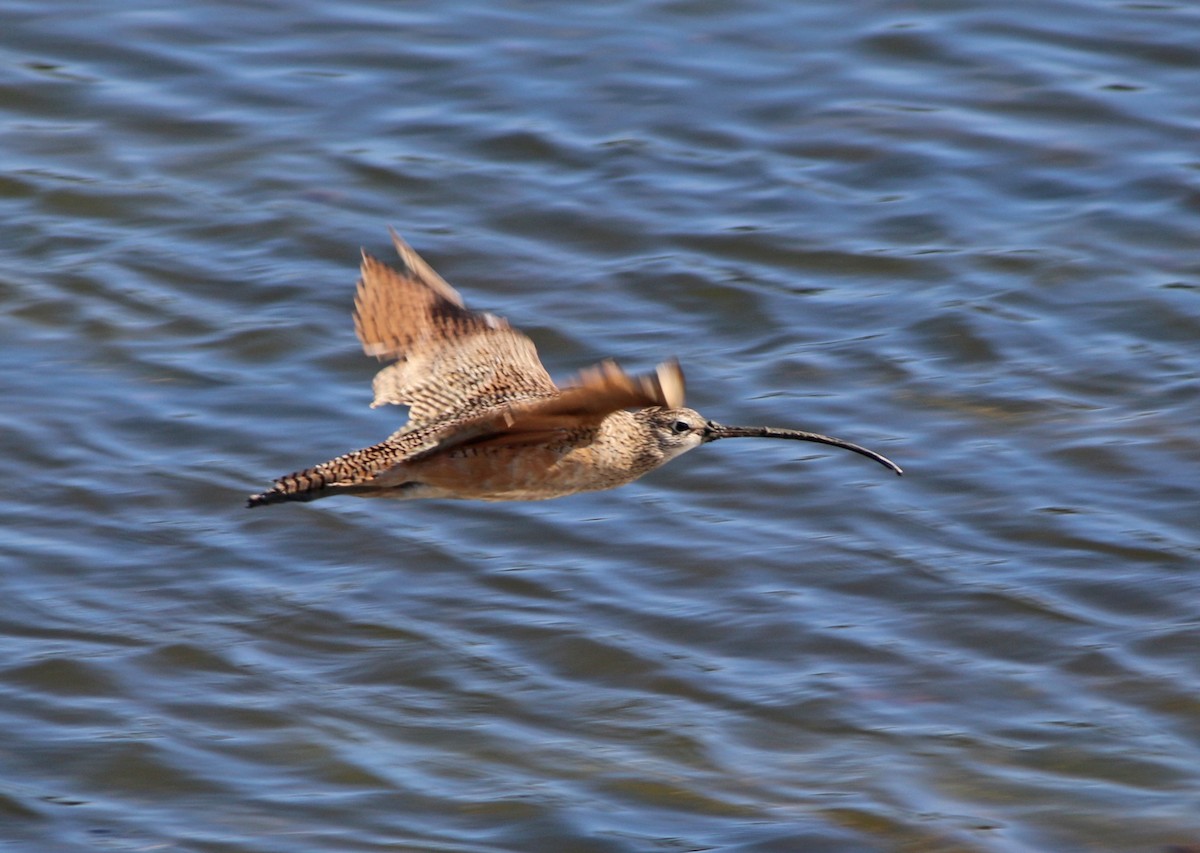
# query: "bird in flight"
486, 421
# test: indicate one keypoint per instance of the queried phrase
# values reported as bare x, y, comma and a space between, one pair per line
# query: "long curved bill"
716, 431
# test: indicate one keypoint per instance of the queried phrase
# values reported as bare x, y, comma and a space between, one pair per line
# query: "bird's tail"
346, 474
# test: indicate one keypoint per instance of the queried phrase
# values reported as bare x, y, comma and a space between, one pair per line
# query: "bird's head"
679, 430
675, 430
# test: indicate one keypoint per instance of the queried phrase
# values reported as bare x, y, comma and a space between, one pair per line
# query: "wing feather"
447, 357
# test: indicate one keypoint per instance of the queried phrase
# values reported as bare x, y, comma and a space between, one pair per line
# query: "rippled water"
962, 233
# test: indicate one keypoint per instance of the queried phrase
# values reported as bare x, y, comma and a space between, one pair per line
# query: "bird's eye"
680, 427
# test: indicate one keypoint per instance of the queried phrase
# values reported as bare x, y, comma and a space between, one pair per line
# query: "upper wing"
448, 358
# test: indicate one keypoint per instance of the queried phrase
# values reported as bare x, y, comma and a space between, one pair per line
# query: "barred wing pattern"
447, 357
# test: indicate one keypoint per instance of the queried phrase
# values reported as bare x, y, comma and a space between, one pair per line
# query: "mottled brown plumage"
485, 419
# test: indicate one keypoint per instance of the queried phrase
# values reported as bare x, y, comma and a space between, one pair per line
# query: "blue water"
960, 233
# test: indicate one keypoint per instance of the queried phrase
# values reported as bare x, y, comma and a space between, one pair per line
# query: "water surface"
961, 234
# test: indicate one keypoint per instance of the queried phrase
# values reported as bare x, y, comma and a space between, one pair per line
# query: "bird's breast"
581, 461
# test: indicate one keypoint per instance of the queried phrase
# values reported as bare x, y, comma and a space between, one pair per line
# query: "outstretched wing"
448, 358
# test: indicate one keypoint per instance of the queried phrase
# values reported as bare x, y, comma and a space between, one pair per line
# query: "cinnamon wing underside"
448, 358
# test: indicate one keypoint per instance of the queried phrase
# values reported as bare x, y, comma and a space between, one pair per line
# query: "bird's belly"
517, 473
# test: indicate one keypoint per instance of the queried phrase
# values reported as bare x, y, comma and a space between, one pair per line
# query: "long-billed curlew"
485, 419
